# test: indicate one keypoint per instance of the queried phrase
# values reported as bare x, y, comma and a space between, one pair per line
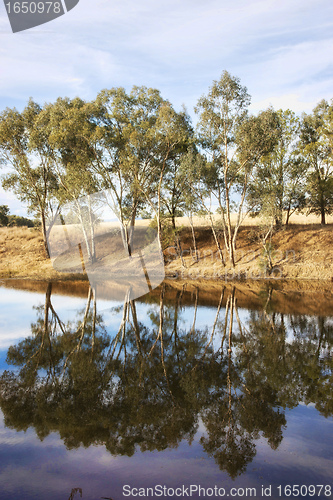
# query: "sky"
281, 50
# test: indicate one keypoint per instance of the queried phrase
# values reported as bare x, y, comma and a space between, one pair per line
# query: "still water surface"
221, 389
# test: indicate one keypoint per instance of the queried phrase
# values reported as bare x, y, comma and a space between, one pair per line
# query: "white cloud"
297, 77
285, 101
281, 50
16, 207
170, 45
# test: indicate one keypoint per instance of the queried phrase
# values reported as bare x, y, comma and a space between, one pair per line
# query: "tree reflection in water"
148, 387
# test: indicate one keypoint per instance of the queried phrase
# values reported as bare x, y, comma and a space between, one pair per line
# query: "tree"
277, 184
316, 148
191, 166
234, 143
4, 213
147, 385
199, 181
138, 140
25, 152
17, 220
68, 126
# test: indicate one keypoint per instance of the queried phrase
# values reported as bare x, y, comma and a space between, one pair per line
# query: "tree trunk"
234, 244
86, 241
173, 220
231, 251
46, 248
195, 309
280, 193
322, 197
130, 231
159, 224
180, 250
194, 239
278, 221
136, 326
227, 205
216, 239
288, 215
92, 232
229, 228
47, 307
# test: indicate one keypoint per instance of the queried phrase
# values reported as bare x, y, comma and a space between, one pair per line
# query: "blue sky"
281, 50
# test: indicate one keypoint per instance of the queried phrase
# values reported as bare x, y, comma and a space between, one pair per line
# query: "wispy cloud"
175, 47
281, 50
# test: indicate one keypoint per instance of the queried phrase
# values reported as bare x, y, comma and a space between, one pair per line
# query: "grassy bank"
297, 252
302, 252
22, 255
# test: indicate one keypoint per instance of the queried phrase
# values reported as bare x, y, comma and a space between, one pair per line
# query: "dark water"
184, 393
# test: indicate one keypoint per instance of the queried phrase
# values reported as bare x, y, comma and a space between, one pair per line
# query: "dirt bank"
299, 252
22, 255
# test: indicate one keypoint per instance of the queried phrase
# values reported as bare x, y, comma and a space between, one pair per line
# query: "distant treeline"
15, 220
156, 165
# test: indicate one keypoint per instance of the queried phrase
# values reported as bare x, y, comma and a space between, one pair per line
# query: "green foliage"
316, 147
27, 156
168, 232
135, 145
14, 220
277, 187
234, 142
141, 137
4, 213
17, 220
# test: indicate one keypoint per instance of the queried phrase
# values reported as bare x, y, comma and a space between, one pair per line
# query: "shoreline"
283, 296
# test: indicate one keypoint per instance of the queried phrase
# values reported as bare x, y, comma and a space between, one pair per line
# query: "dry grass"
295, 219
22, 255
300, 252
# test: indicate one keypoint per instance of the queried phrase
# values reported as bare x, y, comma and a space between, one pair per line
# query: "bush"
17, 220
4, 211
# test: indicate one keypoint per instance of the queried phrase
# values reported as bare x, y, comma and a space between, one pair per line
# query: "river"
185, 392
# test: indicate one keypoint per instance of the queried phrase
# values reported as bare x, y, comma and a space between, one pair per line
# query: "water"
186, 392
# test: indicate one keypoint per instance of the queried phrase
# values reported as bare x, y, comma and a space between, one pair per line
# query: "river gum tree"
26, 155
234, 142
316, 147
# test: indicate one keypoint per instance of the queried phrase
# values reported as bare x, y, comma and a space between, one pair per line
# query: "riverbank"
22, 255
298, 252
